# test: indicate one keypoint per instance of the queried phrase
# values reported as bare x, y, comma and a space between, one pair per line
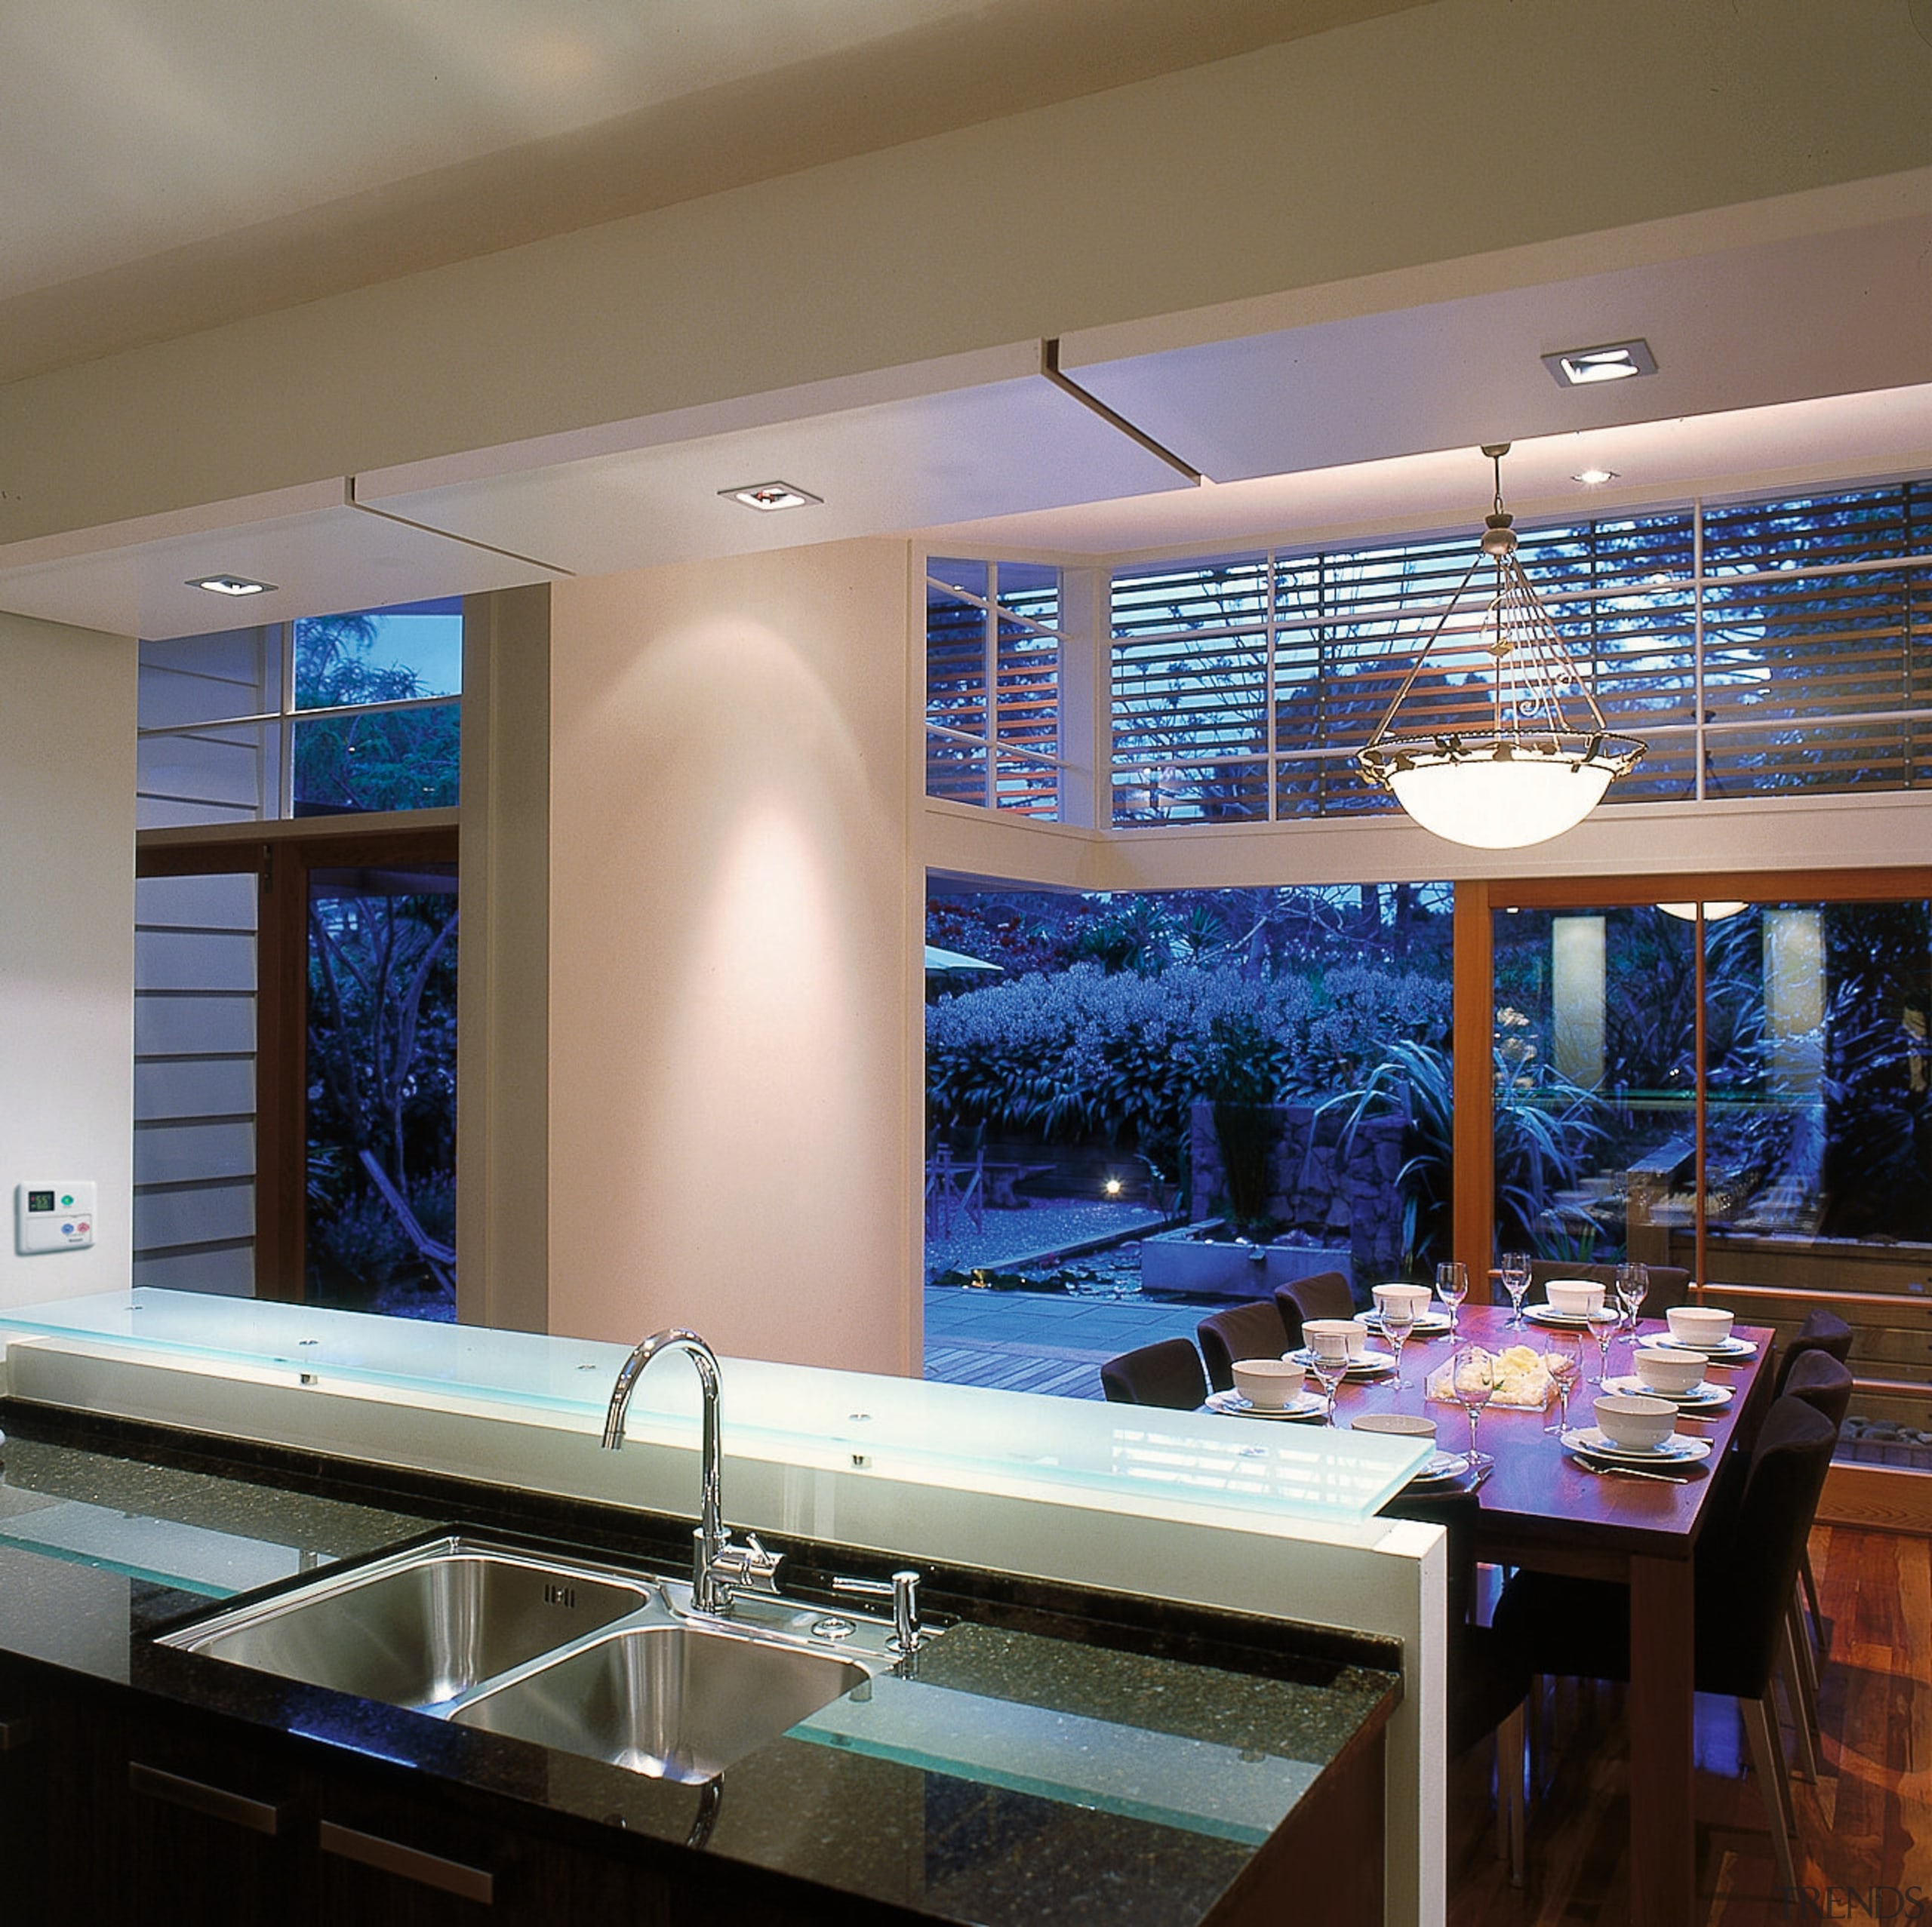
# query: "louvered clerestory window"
1767, 646
992, 684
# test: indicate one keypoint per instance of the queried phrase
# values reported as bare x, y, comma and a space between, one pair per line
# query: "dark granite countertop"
1040, 1766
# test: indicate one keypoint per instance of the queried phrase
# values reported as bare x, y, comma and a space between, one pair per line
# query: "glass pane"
391, 759
1668, 773
1031, 788
380, 655
1326, 786
210, 678
194, 1221
1818, 1175
1120, 1086
381, 1090
955, 662
226, 773
1806, 756
964, 578
1172, 792
1029, 694
1595, 1070
1030, 590
955, 770
1868, 525
1810, 645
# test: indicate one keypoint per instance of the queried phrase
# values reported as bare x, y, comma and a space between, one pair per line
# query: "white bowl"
1333, 1338
1700, 1325
1670, 1371
1398, 1424
1637, 1424
1417, 1298
1575, 1297
1270, 1383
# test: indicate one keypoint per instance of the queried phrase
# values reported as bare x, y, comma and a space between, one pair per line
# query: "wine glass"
1472, 1377
1633, 1286
1399, 1320
1563, 1359
1330, 1370
1604, 1324
1514, 1267
1452, 1286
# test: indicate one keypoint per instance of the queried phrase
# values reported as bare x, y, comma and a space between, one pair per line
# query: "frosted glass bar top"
1171, 1465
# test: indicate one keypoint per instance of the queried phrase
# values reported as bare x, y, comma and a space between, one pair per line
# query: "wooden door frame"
281, 855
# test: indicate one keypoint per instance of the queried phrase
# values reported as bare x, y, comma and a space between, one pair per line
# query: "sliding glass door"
1738, 1083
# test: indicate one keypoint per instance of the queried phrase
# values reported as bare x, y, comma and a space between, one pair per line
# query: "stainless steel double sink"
588, 1659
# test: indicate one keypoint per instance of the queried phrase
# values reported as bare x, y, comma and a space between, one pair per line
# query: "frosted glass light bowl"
1498, 802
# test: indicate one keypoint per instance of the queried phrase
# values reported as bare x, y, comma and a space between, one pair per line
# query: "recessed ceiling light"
766, 496
230, 586
1616, 360
1594, 477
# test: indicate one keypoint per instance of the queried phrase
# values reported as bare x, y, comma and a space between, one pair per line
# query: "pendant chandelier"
1541, 756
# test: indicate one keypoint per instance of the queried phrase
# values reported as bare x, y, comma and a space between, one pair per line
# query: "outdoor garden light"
1510, 752
1112, 1187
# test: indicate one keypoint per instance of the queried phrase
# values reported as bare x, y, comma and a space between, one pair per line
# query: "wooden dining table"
1541, 1510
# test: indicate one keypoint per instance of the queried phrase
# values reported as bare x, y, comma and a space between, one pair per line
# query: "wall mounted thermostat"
53, 1217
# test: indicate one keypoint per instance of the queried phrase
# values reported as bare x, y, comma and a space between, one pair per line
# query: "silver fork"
1632, 1472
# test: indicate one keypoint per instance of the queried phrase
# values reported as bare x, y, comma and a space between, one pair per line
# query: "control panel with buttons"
53, 1217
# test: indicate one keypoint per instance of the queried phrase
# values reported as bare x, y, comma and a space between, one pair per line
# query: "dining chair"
1825, 1386
1669, 1284
1168, 1373
1745, 1569
1821, 1331
1243, 1331
1320, 1295
1489, 1683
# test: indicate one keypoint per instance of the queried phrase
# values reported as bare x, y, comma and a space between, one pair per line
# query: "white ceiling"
321, 553
129, 127
166, 165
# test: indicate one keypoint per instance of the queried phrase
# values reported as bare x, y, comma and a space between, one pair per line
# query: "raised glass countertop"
1156, 1462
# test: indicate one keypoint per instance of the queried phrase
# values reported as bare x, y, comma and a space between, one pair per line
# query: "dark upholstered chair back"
1242, 1331
1822, 1383
1744, 1584
1167, 1373
1821, 1331
1324, 1295
1669, 1284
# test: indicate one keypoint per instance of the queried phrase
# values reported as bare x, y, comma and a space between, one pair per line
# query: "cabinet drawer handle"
426, 1870
14, 1734
258, 1816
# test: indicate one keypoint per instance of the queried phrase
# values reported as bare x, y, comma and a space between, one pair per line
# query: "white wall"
66, 938
735, 992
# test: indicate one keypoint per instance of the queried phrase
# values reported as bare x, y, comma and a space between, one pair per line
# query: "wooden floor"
1866, 1828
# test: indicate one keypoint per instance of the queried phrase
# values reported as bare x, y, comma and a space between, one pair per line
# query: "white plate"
1231, 1405
1561, 1321
1707, 1397
1731, 1348
1426, 1326
1444, 1466
1370, 1365
1675, 1450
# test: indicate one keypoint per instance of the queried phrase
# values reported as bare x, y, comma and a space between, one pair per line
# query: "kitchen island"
1070, 1748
